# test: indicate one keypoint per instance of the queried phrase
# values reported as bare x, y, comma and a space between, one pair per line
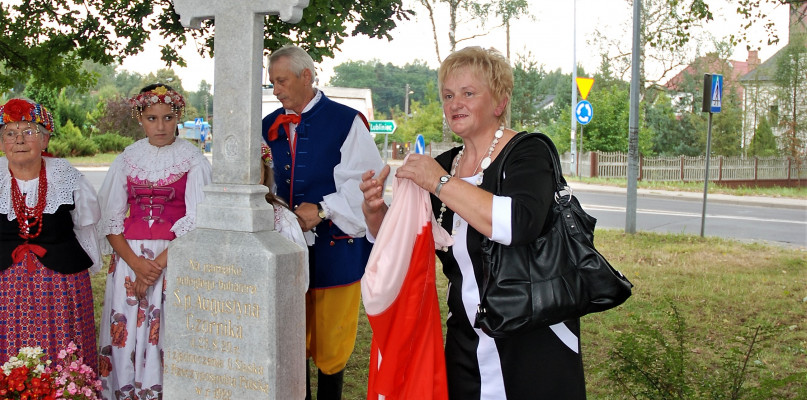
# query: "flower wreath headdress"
18, 110
159, 94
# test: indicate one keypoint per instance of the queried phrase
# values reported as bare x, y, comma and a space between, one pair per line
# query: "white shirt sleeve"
86, 215
501, 213
198, 176
359, 154
112, 199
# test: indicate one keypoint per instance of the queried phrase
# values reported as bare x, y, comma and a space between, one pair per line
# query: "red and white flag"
407, 360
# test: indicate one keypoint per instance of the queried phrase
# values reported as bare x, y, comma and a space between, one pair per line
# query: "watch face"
445, 178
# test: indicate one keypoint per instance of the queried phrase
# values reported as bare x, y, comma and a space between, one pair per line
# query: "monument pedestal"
234, 317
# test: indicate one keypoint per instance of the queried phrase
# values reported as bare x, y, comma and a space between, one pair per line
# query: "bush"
69, 142
666, 362
75, 146
111, 143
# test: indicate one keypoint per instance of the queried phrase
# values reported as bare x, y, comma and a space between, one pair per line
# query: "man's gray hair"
298, 58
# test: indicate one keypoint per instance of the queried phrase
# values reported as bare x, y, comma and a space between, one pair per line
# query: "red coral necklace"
29, 217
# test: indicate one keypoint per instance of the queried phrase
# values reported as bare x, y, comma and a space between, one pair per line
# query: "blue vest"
336, 259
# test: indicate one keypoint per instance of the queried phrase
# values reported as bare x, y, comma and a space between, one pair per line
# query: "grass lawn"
722, 290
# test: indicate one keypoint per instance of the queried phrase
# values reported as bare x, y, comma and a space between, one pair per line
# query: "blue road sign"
198, 121
420, 145
717, 93
584, 112
712, 93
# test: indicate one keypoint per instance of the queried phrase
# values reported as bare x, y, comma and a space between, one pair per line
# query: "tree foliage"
388, 83
790, 75
763, 144
47, 40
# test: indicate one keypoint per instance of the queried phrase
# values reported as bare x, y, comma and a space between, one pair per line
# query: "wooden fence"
727, 171
731, 171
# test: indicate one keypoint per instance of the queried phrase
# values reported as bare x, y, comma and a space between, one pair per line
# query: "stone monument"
235, 288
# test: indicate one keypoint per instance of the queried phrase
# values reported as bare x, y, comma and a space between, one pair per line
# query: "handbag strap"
560, 182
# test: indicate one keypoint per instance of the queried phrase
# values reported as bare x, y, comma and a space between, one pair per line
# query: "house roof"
765, 71
710, 62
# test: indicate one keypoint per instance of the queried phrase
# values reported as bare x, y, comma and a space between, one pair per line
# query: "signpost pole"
386, 150
712, 103
706, 173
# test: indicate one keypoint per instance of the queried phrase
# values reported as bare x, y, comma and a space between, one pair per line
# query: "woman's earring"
140, 123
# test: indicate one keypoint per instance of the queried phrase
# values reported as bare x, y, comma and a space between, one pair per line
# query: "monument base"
234, 317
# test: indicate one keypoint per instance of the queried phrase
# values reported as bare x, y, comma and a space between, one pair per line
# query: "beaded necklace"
481, 166
29, 217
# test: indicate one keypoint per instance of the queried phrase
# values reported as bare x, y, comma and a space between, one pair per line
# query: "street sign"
420, 145
712, 93
584, 112
584, 86
382, 127
198, 122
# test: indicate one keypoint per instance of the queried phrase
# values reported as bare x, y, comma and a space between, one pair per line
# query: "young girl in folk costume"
149, 197
48, 212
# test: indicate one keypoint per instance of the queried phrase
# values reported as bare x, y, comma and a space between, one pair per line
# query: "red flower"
16, 109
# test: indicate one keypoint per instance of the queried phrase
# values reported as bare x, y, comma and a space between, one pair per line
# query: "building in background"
359, 99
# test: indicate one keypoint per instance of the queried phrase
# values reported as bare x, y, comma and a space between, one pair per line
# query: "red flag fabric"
407, 360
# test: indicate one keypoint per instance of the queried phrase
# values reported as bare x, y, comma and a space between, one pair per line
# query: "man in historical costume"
319, 150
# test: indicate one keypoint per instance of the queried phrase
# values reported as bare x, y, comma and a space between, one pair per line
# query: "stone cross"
234, 315
238, 50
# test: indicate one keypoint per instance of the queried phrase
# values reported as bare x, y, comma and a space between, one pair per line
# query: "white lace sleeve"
287, 225
85, 217
113, 203
199, 175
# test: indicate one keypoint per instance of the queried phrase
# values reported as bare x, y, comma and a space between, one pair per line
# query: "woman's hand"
140, 288
373, 206
146, 271
423, 170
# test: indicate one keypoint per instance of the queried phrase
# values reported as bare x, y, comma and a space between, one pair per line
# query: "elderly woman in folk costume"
48, 247
149, 197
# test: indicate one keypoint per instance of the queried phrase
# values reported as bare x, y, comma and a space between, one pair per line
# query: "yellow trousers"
332, 317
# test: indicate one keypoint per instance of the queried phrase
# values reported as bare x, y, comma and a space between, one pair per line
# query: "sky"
547, 34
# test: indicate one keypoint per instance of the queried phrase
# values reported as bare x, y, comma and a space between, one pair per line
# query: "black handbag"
557, 277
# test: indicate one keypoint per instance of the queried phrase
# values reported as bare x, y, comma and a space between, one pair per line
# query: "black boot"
329, 387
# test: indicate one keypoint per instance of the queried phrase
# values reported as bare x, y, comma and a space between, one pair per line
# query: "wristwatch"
320, 211
443, 180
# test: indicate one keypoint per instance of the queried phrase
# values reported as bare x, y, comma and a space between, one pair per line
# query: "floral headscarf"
159, 94
18, 110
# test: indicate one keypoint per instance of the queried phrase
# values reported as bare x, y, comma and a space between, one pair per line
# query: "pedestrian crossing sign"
712, 93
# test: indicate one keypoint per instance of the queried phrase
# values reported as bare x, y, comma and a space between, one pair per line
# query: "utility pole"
633, 123
573, 165
406, 102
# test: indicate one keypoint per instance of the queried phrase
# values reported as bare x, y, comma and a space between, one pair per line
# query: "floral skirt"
42, 307
130, 360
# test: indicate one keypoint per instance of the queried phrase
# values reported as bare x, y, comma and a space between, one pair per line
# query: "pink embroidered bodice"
154, 208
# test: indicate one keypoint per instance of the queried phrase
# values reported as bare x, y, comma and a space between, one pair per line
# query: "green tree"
790, 75
528, 94
763, 144
426, 120
114, 115
727, 127
388, 83
671, 134
47, 40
